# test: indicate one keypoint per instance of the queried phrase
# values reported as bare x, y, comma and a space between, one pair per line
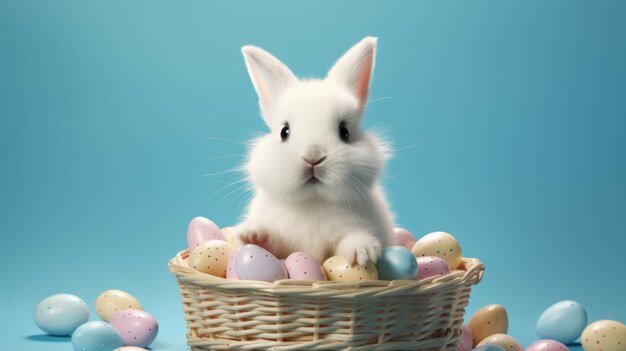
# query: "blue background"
113, 111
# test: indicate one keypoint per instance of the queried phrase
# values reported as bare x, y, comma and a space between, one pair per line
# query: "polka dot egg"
547, 345
253, 262
564, 322
96, 336
201, 229
439, 244
604, 335
507, 342
303, 266
337, 268
112, 301
487, 321
61, 314
403, 237
137, 327
429, 266
211, 257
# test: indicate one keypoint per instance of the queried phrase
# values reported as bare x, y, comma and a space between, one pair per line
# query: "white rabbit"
316, 174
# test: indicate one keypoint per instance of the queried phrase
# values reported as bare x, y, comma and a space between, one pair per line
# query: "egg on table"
487, 321
428, 266
111, 301
61, 314
337, 268
396, 262
547, 345
466, 342
201, 229
137, 327
211, 257
564, 322
442, 245
96, 336
506, 342
253, 262
604, 335
303, 266
403, 237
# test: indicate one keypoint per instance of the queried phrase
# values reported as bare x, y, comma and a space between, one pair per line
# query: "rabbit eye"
344, 135
284, 133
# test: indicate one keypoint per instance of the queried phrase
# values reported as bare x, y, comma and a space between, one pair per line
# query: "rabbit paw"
251, 235
359, 248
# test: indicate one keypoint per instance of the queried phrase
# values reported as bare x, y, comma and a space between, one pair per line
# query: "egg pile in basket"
243, 298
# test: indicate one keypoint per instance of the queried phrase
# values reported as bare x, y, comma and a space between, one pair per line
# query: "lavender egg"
137, 327
253, 262
547, 345
302, 266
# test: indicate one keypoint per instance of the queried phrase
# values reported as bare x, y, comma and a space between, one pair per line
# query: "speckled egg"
396, 262
442, 245
253, 262
61, 314
201, 229
489, 348
487, 321
112, 301
506, 342
547, 345
337, 268
96, 336
211, 257
230, 237
428, 266
303, 266
466, 342
604, 335
130, 348
230, 267
137, 327
403, 237
564, 322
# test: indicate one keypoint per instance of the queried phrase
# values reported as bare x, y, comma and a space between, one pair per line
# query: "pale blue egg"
61, 314
96, 336
488, 348
564, 322
396, 262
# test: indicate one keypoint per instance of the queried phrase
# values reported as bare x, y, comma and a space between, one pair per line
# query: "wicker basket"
226, 314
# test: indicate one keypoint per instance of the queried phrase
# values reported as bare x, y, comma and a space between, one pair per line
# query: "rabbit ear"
354, 69
269, 76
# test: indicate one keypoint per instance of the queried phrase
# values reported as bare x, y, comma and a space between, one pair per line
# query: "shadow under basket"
224, 314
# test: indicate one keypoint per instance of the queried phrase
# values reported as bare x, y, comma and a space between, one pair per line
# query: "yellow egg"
231, 238
110, 302
605, 335
489, 320
337, 268
506, 342
211, 257
442, 245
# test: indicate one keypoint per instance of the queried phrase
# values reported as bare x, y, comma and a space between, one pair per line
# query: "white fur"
346, 212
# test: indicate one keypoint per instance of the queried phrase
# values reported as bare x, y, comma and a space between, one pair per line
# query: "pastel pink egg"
303, 266
403, 237
253, 262
467, 340
136, 327
230, 268
428, 266
547, 345
202, 229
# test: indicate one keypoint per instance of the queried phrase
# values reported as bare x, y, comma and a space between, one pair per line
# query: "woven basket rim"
471, 269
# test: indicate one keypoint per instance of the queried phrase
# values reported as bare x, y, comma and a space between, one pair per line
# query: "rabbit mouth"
313, 180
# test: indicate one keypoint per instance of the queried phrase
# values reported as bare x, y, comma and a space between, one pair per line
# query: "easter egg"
231, 237
337, 268
110, 302
303, 266
137, 327
61, 314
130, 348
439, 244
564, 322
466, 342
402, 237
428, 266
396, 262
211, 257
201, 229
489, 348
230, 267
604, 335
547, 345
96, 336
506, 342
487, 321
253, 262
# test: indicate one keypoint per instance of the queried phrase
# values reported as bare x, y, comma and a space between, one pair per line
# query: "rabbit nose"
314, 155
